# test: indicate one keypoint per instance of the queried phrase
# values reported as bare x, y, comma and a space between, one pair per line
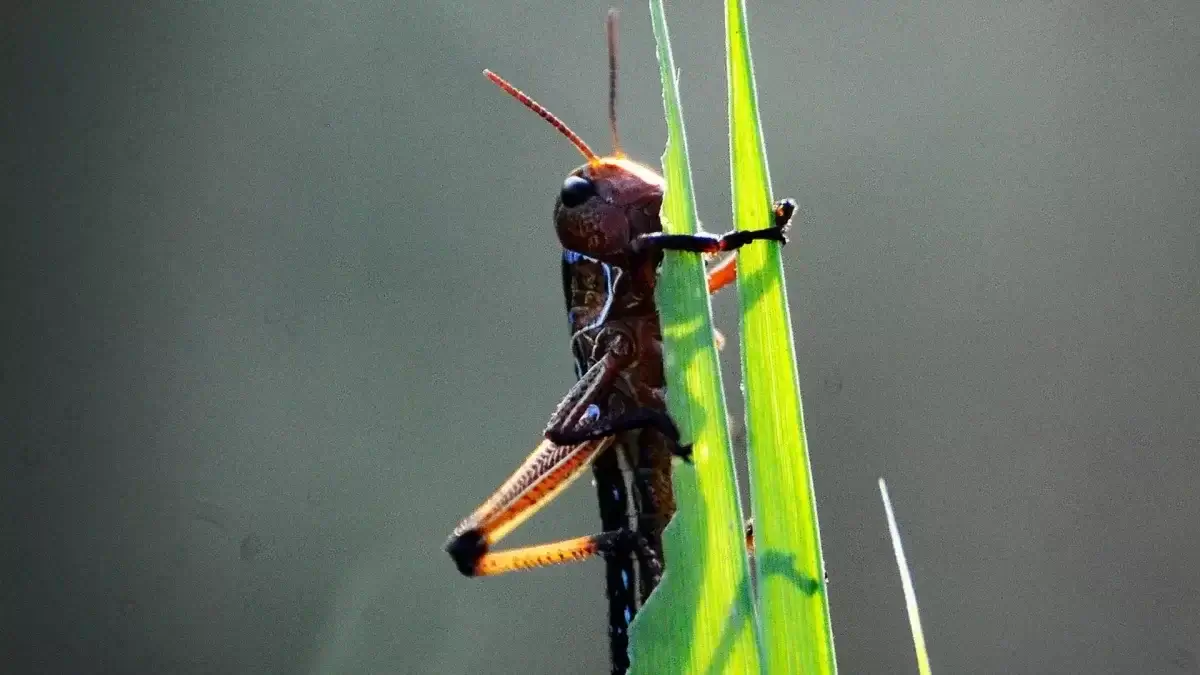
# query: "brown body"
631, 326
609, 310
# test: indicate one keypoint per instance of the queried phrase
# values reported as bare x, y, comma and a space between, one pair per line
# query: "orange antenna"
544, 114
612, 81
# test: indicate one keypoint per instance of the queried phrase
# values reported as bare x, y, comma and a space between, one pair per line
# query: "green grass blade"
701, 619
792, 597
910, 593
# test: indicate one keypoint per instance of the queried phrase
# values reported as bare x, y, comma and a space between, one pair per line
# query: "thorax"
607, 302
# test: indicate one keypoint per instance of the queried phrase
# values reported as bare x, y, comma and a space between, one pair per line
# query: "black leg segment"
640, 418
703, 242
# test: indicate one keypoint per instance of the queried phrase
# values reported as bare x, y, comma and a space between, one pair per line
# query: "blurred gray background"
282, 304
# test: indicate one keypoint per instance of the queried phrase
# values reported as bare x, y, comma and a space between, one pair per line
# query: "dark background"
282, 304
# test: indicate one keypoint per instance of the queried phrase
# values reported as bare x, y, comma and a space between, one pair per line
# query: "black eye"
577, 190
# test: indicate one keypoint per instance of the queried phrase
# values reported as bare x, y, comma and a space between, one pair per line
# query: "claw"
784, 208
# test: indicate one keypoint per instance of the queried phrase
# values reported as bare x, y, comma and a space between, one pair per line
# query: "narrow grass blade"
791, 572
701, 619
910, 594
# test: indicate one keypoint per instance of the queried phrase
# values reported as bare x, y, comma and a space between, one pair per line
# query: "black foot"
784, 208
466, 549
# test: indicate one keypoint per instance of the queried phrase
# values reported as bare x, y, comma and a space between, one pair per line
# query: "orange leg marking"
548, 470
570, 550
723, 274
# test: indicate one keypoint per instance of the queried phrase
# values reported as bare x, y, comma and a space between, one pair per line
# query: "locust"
614, 419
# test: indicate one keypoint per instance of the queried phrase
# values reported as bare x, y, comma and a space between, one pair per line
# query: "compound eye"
577, 190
